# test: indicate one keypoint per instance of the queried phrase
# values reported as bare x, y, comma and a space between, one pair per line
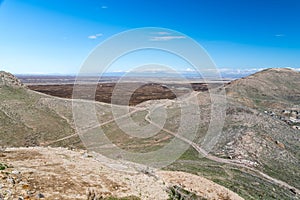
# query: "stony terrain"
7, 79
256, 156
270, 88
255, 135
58, 173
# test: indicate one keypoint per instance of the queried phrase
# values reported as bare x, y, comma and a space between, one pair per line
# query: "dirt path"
194, 145
134, 110
221, 160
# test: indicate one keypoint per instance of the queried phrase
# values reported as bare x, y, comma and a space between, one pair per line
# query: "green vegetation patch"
244, 182
3, 166
178, 193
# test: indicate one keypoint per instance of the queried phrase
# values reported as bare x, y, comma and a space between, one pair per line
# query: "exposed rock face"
9, 80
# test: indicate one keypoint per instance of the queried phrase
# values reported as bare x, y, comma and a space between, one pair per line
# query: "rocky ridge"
7, 79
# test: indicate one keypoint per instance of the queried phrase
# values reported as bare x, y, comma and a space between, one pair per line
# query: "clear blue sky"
55, 36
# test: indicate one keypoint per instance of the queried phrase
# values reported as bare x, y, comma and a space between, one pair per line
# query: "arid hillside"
58, 173
272, 88
256, 156
25, 119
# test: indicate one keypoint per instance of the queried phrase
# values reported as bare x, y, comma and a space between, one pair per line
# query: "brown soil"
104, 91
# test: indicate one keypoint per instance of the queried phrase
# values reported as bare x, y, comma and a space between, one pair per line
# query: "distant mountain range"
227, 73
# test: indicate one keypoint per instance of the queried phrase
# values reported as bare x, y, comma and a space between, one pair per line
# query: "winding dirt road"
194, 145
221, 160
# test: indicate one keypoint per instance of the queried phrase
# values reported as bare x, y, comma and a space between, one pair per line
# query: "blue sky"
56, 36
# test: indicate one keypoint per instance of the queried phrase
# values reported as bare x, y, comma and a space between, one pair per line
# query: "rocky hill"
25, 119
257, 154
270, 88
262, 114
28, 118
7, 79
58, 173
257, 130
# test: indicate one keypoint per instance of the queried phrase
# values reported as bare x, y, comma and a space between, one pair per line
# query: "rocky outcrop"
8, 79
58, 173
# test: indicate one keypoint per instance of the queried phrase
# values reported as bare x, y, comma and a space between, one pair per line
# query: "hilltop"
7, 79
268, 88
257, 132
26, 117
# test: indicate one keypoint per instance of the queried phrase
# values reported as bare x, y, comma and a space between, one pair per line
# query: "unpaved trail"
134, 110
237, 163
194, 145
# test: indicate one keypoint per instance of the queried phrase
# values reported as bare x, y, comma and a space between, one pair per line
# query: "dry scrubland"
252, 141
58, 173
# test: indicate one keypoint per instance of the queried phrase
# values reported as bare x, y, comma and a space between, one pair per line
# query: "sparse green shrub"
178, 193
3, 166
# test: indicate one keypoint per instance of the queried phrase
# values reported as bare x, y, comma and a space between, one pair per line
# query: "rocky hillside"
7, 79
29, 118
266, 136
58, 173
255, 139
259, 129
268, 88
257, 134
25, 120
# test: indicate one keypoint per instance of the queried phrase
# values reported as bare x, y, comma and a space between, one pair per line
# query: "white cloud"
152, 70
243, 71
292, 68
93, 37
279, 35
226, 72
166, 38
119, 71
104, 7
163, 33
189, 70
